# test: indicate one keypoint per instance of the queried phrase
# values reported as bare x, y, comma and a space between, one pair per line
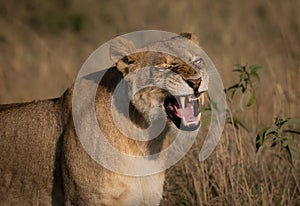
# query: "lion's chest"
130, 191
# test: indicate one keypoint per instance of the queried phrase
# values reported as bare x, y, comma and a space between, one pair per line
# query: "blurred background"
43, 44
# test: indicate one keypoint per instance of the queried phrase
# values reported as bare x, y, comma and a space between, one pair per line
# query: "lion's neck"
118, 128
123, 138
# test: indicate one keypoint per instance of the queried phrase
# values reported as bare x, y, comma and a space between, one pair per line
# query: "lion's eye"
161, 69
198, 61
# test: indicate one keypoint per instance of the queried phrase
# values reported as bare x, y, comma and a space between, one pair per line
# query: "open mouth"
184, 111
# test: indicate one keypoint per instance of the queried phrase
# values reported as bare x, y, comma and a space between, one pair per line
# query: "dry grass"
43, 45
231, 177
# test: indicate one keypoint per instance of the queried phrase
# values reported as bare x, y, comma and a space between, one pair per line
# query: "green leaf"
251, 100
254, 68
291, 149
233, 87
274, 136
254, 74
243, 76
272, 131
260, 138
237, 70
292, 131
290, 121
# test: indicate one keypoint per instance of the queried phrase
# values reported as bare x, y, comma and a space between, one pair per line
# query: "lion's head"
172, 83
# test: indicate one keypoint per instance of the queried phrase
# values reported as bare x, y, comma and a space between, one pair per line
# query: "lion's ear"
191, 37
121, 51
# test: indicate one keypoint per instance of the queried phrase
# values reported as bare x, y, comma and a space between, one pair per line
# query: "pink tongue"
187, 112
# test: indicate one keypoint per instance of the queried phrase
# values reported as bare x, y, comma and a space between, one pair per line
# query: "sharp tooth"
198, 117
202, 98
185, 123
182, 101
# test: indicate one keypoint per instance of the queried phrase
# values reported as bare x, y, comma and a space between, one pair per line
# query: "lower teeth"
186, 123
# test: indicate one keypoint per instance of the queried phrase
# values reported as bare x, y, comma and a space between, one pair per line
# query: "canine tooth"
198, 117
202, 99
185, 123
182, 101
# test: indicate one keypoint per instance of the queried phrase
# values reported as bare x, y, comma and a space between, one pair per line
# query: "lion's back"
29, 150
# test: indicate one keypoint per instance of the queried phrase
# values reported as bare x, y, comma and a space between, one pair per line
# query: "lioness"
42, 161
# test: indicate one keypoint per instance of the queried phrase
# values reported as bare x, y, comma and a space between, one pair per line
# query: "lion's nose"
195, 84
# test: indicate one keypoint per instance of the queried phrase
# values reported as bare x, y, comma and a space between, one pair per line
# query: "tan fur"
29, 154
42, 161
